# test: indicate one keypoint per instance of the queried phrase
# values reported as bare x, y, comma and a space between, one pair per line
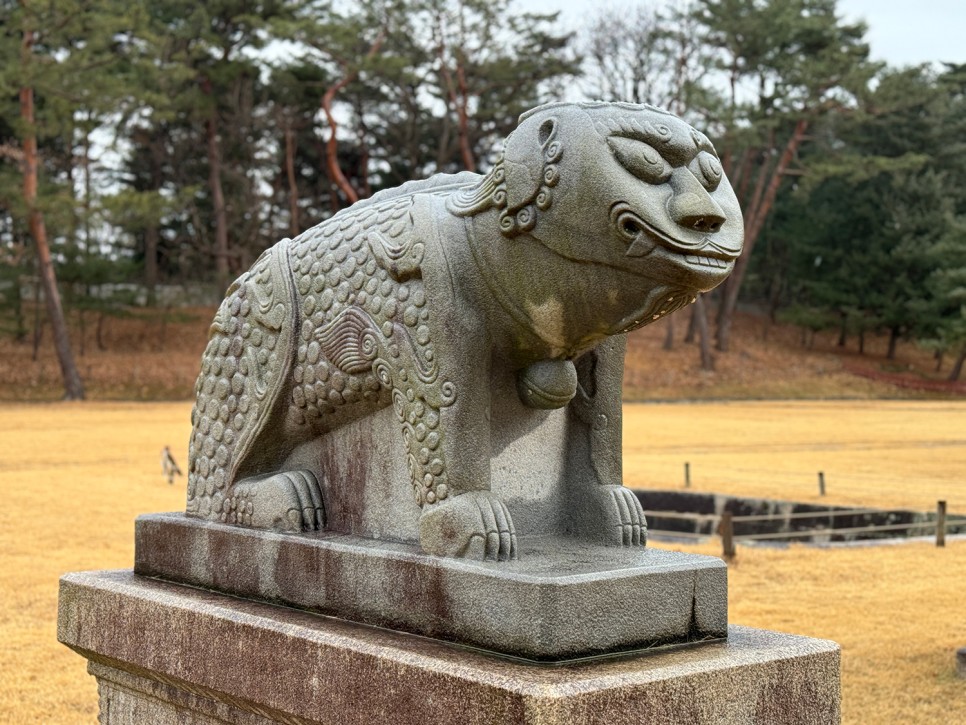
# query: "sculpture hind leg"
602, 508
241, 428
290, 501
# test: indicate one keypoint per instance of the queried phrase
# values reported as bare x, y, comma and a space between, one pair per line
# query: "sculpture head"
624, 184
630, 190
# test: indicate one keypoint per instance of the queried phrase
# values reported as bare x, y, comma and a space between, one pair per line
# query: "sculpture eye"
708, 170
641, 159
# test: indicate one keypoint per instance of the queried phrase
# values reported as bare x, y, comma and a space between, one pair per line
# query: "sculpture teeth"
705, 261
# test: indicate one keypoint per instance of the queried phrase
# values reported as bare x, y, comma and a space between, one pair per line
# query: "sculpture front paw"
473, 525
615, 517
290, 502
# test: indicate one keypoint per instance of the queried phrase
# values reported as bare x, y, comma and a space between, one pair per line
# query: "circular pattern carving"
328, 278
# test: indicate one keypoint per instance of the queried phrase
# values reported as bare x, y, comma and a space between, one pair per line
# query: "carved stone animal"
597, 219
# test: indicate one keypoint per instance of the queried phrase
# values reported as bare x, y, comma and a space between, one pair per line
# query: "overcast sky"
901, 32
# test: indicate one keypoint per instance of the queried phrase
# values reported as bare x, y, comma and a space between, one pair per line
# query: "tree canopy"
159, 142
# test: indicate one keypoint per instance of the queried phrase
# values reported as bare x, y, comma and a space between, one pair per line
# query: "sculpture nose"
692, 207
709, 223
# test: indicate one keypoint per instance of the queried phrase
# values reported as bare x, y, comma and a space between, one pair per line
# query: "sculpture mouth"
703, 253
643, 238
701, 260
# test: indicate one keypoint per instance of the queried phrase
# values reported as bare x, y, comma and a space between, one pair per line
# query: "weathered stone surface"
259, 663
438, 370
487, 315
126, 698
563, 599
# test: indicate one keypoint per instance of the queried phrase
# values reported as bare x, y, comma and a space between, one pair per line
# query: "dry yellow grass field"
897, 454
76, 475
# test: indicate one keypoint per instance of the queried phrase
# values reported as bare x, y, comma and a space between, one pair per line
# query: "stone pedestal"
563, 599
166, 653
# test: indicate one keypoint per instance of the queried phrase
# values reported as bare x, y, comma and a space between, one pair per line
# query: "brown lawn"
873, 453
154, 355
77, 474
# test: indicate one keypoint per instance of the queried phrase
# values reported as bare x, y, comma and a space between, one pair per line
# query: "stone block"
165, 653
622, 598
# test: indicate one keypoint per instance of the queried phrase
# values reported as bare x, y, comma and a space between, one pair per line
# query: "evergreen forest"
150, 150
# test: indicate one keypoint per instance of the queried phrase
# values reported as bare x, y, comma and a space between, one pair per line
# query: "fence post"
687, 475
821, 483
727, 536
940, 523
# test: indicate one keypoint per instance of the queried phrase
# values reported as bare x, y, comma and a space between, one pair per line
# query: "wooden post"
727, 536
821, 483
941, 523
687, 475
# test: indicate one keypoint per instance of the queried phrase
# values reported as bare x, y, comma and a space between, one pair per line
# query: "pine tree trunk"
669, 334
692, 326
152, 234
893, 340
938, 355
38, 319
332, 167
364, 183
704, 341
861, 342
466, 151
73, 386
458, 95
82, 329
99, 333
218, 201
151, 263
21, 323
755, 217
163, 334
443, 148
293, 189
958, 366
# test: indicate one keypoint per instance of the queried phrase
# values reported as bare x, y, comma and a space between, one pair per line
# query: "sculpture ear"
523, 160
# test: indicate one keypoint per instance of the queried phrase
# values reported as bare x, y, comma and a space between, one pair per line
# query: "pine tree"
57, 57
786, 64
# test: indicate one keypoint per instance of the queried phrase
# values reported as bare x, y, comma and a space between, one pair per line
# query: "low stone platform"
561, 600
169, 654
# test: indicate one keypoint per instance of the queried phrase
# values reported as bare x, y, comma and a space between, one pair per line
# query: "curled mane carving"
510, 183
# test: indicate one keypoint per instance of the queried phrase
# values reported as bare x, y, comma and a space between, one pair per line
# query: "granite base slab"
562, 599
168, 654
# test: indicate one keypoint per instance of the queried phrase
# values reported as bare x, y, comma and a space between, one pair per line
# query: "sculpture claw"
473, 525
290, 502
620, 518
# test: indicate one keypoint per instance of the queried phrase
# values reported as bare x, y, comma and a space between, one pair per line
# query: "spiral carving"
508, 224
526, 219
553, 152
447, 393
551, 175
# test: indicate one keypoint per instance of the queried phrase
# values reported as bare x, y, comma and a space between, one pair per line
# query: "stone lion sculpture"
597, 218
